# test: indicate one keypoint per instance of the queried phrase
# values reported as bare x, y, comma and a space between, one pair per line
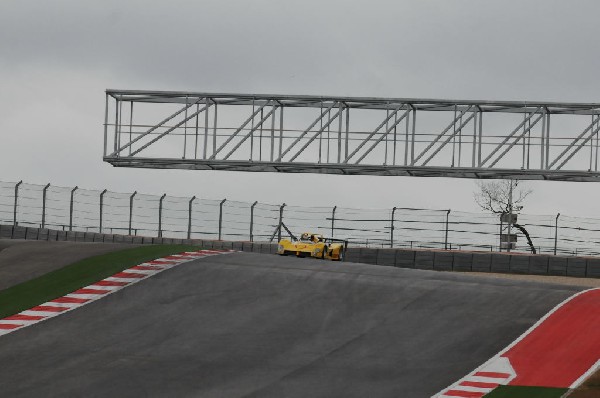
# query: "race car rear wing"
333, 240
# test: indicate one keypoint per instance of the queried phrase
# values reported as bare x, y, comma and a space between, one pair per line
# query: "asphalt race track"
252, 325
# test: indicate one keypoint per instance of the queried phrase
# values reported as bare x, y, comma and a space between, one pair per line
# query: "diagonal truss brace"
386, 120
383, 136
515, 131
581, 145
458, 131
236, 132
161, 123
301, 136
520, 137
318, 133
260, 123
440, 135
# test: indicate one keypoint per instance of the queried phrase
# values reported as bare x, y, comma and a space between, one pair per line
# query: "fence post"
556, 232
71, 208
446, 236
160, 207
16, 201
101, 210
510, 213
280, 222
221, 217
131, 210
333, 219
189, 234
44, 205
392, 228
252, 221
500, 235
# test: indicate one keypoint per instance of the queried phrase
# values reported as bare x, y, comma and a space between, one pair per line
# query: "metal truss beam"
315, 134
232, 136
354, 102
352, 169
384, 135
439, 136
306, 131
515, 131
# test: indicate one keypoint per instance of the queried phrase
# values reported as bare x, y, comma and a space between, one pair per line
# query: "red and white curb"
100, 289
497, 371
560, 350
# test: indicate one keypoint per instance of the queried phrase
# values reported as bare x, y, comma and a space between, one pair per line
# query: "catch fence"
77, 209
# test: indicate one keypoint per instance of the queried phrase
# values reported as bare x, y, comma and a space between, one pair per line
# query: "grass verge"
77, 275
526, 392
589, 389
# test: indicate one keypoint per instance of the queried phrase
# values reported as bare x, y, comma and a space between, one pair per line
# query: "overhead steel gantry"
352, 135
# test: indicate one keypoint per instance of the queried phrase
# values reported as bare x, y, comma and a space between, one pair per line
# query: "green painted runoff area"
77, 275
526, 392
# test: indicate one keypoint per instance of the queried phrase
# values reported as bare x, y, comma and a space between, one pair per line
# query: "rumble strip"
97, 290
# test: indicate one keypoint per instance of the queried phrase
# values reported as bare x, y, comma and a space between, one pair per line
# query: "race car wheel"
324, 251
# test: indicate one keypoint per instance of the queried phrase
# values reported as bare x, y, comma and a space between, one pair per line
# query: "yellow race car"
313, 245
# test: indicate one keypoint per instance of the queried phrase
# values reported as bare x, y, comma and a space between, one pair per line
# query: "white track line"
500, 364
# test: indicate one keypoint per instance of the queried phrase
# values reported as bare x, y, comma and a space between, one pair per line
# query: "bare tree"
504, 197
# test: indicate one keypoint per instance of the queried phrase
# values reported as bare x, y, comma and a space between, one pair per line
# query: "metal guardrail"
103, 211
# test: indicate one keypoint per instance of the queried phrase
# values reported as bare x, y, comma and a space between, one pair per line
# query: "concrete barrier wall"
441, 260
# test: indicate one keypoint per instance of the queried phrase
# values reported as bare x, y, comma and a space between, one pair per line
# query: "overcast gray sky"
58, 57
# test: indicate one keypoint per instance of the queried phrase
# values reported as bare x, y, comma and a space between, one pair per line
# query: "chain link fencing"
78, 209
